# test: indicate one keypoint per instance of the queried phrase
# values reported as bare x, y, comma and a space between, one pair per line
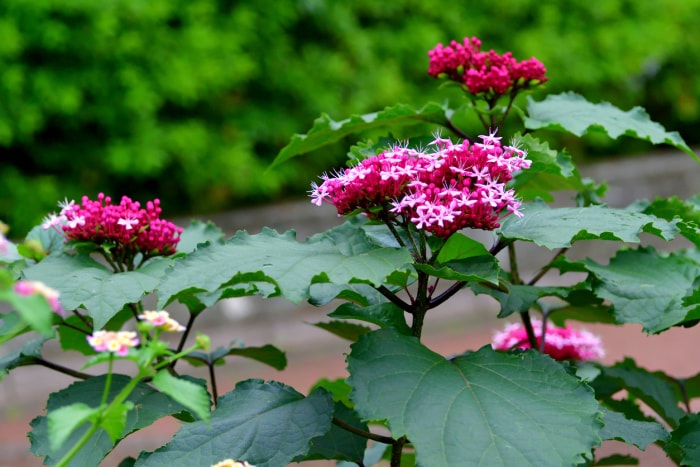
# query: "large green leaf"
483, 408
385, 315
573, 113
653, 388
266, 424
198, 233
636, 432
560, 227
326, 130
191, 395
340, 255
519, 298
26, 355
339, 443
647, 288
148, 406
684, 446
551, 171
476, 269
83, 282
669, 208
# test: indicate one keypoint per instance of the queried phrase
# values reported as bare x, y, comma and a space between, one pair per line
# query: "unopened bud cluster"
486, 74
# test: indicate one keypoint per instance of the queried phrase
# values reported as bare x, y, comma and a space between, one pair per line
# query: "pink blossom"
26, 288
560, 343
161, 319
444, 189
110, 341
101, 222
487, 74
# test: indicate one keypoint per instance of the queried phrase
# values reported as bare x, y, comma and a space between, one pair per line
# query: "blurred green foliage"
190, 100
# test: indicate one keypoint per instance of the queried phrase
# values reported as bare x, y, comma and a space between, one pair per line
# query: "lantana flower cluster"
560, 343
231, 463
445, 189
131, 228
118, 342
162, 320
26, 288
484, 73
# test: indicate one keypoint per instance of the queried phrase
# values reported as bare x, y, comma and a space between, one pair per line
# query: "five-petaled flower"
560, 343
118, 342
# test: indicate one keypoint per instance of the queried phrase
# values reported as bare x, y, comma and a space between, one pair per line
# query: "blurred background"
190, 100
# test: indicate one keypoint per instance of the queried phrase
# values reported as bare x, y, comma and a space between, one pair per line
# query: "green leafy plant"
536, 396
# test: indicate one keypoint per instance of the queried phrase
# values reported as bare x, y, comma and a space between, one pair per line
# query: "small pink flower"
116, 342
26, 288
161, 319
560, 343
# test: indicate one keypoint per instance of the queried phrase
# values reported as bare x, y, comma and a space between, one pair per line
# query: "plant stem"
396, 450
186, 333
527, 323
76, 328
393, 231
421, 305
212, 378
395, 299
450, 126
83, 319
365, 434
545, 268
61, 369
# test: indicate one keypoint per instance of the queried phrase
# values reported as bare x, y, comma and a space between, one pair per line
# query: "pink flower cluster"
130, 227
26, 288
161, 319
110, 341
485, 73
560, 343
442, 191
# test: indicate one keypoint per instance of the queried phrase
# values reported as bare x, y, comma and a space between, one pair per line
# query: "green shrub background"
190, 100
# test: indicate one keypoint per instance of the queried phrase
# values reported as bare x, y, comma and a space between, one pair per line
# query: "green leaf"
483, 408
645, 287
339, 443
458, 246
385, 315
349, 331
550, 171
635, 432
148, 406
339, 388
654, 389
267, 354
83, 282
12, 326
34, 310
62, 422
685, 441
343, 254
520, 298
198, 233
326, 130
189, 394
673, 207
560, 227
72, 339
266, 424
573, 113
476, 269
26, 355
114, 420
